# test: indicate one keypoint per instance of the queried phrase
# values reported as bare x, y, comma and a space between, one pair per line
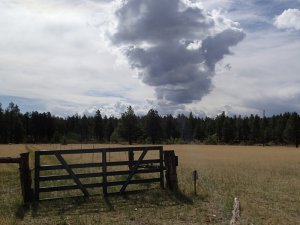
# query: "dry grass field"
265, 179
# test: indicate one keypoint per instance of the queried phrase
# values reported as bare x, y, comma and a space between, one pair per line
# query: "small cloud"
289, 19
227, 67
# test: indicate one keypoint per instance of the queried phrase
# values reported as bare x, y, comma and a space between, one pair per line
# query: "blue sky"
68, 57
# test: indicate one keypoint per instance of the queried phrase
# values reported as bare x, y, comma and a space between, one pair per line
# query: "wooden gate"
136, 165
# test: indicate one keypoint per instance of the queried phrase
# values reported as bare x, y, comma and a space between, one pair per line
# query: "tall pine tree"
291, 131
98, 126
129, 125
153, 128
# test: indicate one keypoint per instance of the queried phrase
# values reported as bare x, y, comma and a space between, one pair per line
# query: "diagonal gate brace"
133, 171
72, 174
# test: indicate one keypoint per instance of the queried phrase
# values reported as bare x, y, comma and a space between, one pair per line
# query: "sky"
176, 56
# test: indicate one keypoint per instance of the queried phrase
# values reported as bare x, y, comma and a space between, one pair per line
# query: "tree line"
152, 128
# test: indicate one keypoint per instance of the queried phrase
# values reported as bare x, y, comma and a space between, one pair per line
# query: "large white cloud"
263, 74
52, 51
289, 19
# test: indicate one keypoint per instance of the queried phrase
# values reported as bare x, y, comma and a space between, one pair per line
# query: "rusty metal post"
195, 178
25, 178
171, 162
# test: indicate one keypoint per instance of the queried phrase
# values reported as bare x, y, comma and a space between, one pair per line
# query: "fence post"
36, 176
104, 171
161, 165
25, 178
171, 161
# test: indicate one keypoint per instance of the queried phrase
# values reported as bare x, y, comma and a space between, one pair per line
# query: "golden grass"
266, 180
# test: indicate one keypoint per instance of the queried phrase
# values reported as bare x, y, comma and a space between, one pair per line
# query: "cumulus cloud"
289, 19
174, 45
51, 54
257, 80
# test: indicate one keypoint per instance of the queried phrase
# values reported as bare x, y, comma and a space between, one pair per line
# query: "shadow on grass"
180, 197
202, 197
22, 210
155, 198
71, 206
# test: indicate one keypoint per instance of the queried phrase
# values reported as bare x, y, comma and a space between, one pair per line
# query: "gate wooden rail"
135, 166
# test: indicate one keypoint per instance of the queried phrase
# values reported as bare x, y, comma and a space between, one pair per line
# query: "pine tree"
238, 136
227, 131
129, 126
98, 126
184, 127
291, 131
219, 122
170, 127
109, 128
15, 126
199, 131
254, 124
153, 128
84, 129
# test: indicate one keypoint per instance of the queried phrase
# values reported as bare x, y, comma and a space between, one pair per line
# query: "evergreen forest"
152, 128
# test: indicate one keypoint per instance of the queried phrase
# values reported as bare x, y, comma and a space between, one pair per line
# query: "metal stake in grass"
195, 178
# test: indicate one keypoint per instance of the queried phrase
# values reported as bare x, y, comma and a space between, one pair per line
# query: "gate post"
104, 171
161, 165
171, 161
37, 176
25, 178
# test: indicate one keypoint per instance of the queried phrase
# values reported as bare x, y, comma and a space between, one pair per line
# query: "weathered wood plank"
89, 151
89, 165
98, 174
133, 171
139, 181
68, 177
58, 188
73, 166
9, 160
97, 185
70, 171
